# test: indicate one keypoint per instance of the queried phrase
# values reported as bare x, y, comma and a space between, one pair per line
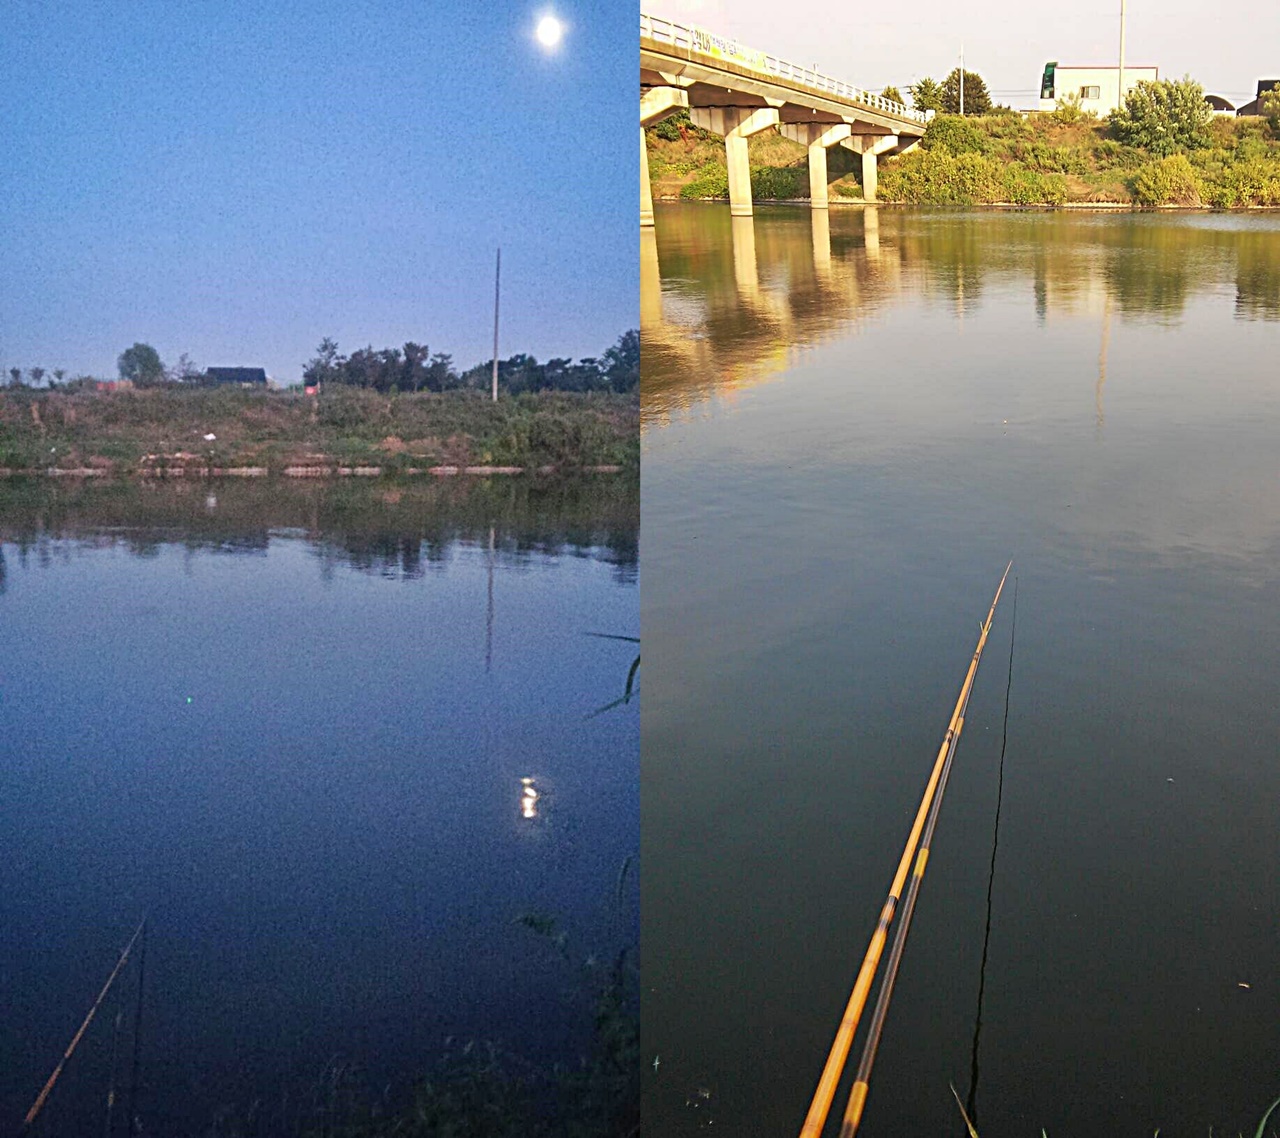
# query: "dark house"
244, 376
1253, 108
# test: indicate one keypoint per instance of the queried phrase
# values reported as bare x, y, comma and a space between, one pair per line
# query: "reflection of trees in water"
1257, 276
398, 530
717, 327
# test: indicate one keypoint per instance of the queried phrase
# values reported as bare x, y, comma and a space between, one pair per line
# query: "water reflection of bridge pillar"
821, 220
871, 231
650, 280
745, 275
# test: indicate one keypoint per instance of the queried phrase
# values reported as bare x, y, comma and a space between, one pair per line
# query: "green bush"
939, 177
712, 182
779, 183
1170, 181
1269, 108
1164, 116
1068, 109
1255, 182
1024, 186
668, 130
955, 133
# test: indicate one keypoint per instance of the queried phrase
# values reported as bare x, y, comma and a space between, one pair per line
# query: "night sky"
237, 180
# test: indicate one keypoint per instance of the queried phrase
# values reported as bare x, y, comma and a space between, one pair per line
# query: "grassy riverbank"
165, 430
993, 159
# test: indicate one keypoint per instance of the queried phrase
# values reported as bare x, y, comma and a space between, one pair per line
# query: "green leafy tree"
37, 375
15, 377
977, 99
955, 134
926, 95
1164, 116
892, 92
326, 366
184, 371
141, 365
621, 363
59, 373
1269, 108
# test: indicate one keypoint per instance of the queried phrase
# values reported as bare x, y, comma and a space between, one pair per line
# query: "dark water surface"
851, 423
292, 722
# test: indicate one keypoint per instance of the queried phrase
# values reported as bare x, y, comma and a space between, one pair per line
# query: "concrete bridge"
736, 92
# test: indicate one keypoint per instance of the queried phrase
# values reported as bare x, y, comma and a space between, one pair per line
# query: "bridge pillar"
655, 104
869, 145
736, 124
818, 137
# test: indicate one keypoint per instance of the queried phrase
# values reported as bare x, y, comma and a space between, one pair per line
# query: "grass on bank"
971, 1130
125, 432
990, 159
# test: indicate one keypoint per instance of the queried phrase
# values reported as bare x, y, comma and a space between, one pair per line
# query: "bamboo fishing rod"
862, 1080
820, 1106
75, 1041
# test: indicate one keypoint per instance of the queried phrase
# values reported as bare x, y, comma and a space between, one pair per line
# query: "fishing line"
991, 876
134, 1123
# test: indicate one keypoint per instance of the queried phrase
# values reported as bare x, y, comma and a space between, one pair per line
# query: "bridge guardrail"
699, 40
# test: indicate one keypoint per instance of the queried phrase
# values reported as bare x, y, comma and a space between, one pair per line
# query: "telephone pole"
1120, 80
497, 280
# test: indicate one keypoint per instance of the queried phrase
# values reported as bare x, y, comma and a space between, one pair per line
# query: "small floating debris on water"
1241, 984
210, 438
655, 1064
1168, 780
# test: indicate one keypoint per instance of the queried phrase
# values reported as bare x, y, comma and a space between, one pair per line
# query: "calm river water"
851, 423
294, 723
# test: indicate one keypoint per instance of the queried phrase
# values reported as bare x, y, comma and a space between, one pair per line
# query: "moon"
549, 31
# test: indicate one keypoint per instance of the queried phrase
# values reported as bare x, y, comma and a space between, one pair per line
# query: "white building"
1097, 88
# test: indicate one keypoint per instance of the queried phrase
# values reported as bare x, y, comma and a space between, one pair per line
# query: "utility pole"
962, 75
497, 280
1120, 80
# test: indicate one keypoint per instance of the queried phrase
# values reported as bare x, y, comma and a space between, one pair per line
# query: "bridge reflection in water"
728, 303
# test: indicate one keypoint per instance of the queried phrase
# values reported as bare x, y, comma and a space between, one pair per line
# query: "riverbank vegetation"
412, 368
1163, 148
174, 429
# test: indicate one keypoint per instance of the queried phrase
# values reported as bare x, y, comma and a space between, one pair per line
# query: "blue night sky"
236, 180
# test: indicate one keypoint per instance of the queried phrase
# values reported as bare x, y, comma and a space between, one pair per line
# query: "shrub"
668, 130
1164, 116
1255, 182
1068, 110
938, 177
1269, 108
1170, 181
1024, 186
955, 133
769, 182
713, 182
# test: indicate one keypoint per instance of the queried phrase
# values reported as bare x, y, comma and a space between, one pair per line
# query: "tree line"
414, 368
410, 368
